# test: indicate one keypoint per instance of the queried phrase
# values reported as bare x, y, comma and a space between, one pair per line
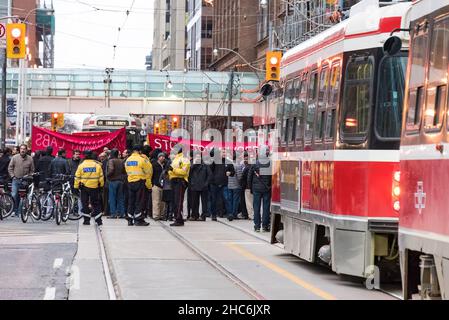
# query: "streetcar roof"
367, 27
422, 8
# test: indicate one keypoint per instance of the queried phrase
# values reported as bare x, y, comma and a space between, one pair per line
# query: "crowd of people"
141, 183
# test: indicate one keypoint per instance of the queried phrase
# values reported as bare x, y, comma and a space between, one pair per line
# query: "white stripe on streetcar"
50, 293
58, 263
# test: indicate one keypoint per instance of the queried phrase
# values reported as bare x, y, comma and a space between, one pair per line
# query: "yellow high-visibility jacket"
138, 168
89, 174
149, 172
181, 168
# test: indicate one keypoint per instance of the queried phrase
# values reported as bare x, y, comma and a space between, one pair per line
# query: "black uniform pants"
136, 191
92, 197
196, 195
179, 188
148, 203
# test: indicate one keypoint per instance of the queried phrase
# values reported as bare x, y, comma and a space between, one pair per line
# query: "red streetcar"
424, 156
338, 148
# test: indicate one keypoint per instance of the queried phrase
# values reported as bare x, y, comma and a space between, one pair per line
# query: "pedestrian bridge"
85, 91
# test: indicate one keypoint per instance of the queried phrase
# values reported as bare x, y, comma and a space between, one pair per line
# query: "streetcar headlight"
397, 206
397, 191
397, 176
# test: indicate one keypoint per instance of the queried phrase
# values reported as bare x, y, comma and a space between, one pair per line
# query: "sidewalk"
88, 281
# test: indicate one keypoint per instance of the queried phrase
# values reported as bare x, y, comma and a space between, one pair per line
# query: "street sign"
2, 35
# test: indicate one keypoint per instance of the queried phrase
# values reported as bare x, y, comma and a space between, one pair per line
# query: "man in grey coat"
21, 165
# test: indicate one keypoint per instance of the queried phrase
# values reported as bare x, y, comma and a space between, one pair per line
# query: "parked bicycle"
6, 200
57, 200
28, 200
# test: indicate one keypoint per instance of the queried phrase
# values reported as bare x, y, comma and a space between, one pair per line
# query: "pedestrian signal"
273, 66
15, 40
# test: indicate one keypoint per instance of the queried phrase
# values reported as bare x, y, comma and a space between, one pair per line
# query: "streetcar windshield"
390, 97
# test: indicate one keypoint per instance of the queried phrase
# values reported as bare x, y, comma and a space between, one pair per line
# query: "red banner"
42, 138
166, 143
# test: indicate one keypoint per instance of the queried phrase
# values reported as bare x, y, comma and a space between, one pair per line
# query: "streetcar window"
302, 96
334, 94
312, 95
330, 123
322, 102
324, 85
390, 97
320, 126
417, 77
438, 64
357, 98
285, 131
287, 110
292, 129
414, 109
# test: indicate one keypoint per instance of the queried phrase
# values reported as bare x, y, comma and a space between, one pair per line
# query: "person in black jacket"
199, 180
4, 163
43, 165
246, 199
218, 185
259, 182
59, 165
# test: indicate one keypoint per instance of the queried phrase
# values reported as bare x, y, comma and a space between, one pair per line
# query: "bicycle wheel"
58, 212
23, 209
66, 205
35, 208
6, 205
47, 204
75, 212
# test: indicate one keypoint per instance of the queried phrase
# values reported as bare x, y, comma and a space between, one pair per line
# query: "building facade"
235, 28
199, 47
169, 42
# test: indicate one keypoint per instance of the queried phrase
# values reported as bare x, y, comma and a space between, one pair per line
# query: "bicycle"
28, 201
6, 199
46, 200
62, 197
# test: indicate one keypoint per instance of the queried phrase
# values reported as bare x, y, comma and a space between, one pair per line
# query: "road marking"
50, 293
58, 263
282, 272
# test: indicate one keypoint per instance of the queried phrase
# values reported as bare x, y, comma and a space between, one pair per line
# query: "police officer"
89, 179
178, 173
139, 172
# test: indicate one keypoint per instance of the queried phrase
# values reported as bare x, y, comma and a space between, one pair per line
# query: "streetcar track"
112, 284
216, 265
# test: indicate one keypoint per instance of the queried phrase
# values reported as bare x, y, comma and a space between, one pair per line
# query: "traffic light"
273, 66
54, 121
157, 128
163, 126
57, 121
174, 123
15, 40
60, 122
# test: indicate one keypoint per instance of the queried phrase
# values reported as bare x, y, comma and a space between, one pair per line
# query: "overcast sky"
85, 36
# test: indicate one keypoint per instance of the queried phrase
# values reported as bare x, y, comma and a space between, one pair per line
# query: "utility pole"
108, 81
230, 89
207, 104
4, 102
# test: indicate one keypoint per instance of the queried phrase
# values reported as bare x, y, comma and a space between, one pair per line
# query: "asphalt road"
34, 258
